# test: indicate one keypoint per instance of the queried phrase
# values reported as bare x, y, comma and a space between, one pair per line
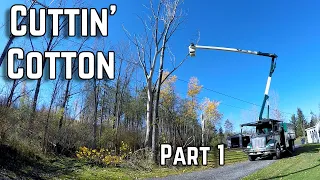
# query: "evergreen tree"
294, 122
301, 123
221, 135
313, 120
228, 126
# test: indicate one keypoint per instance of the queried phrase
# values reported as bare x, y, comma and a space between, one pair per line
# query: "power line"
199, 98
222, 103
211, 90
208, 89
222, 94
177, 78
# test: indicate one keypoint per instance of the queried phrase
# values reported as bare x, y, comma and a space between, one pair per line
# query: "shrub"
141, 160
104, 156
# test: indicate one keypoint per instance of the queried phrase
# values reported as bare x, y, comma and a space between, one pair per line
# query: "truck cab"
271, 138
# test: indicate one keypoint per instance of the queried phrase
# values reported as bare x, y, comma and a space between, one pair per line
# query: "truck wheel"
293, 148
278, 152
252, 158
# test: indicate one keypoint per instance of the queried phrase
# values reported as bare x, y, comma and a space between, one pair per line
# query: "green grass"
20, 166
231, 156
93, 172
305, 165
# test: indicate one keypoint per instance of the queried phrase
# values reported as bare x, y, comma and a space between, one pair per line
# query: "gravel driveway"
229, 172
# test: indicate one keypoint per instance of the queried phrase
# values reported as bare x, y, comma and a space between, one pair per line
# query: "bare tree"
16, 82
162, 23
250, 115
274, 106
67, 90
228, 126
125, 71
48, 45
96, 104
57, 86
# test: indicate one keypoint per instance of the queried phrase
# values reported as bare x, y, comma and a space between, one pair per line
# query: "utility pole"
12, 37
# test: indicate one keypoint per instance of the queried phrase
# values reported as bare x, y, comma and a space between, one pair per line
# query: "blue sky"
288, 28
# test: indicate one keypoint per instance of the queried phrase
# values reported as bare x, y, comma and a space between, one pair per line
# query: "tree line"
300, 123
142, 112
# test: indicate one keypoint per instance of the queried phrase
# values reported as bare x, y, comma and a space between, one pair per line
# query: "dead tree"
163, 21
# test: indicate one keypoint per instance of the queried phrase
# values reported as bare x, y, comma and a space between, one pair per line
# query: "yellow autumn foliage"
194, 87
210, 109
167, 89
104, 156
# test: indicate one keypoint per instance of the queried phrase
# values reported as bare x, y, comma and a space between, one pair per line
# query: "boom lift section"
192, 53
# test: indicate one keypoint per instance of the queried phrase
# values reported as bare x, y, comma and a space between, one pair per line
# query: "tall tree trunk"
46, 127
115, 107
34, 104
36, 93
148, 137
95, 115
101, 118
155, 129
64, 103
9, 100
203, 130
66, 95
115, 110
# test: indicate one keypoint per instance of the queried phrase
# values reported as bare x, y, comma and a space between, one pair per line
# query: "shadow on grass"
302, 170
309, 148
32, 166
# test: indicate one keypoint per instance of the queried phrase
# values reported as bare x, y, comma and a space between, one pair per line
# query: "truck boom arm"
192, 51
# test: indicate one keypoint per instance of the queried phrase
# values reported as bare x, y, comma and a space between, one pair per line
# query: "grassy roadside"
23, 167
70, 168
87, 172
231, 156
305, 165
94, 172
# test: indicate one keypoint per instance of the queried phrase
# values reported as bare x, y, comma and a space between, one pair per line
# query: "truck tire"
292, 148
278, 152
252, 158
